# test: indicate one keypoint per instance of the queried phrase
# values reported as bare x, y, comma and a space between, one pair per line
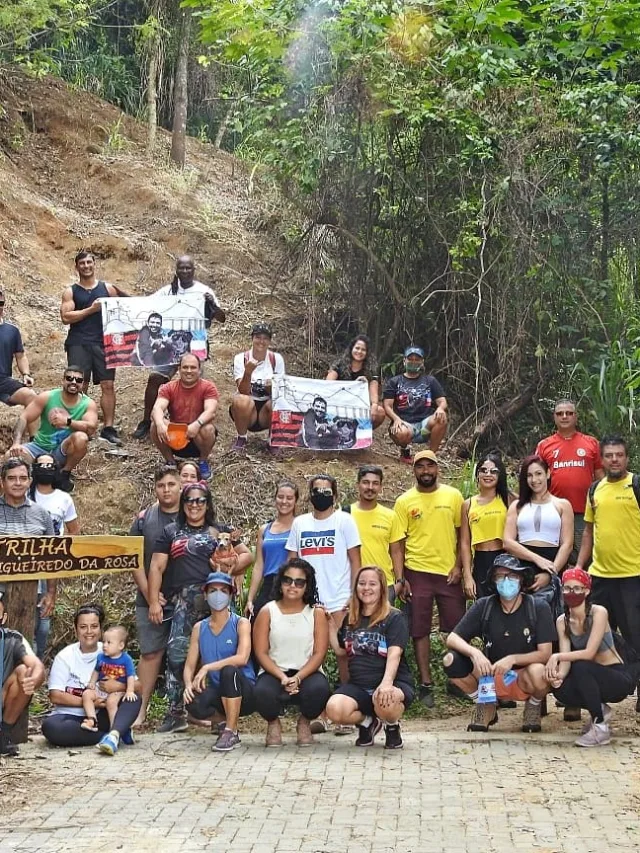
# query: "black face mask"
320, 501
44, 476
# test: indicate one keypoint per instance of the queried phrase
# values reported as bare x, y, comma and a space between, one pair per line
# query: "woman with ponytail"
587, 672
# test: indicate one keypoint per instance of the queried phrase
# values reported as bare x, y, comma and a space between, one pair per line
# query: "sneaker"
7, 746
457, 692
425, 695
343, 730
227, 741
599, 734
368, 733
607, 713
66, 481
127, 738
571, 714
108, 745
142, 430
173, 723
485, 714
319, 726
239, 445
405, 455
204, 468
218, 728
393, 737
110, 435
531, 717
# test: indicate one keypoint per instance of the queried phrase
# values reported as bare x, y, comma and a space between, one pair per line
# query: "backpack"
635, 485
489, 607
272, 358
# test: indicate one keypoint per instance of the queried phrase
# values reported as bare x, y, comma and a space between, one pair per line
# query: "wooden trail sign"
27, 558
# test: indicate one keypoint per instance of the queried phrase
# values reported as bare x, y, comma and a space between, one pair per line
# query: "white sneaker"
598, 735
607, 713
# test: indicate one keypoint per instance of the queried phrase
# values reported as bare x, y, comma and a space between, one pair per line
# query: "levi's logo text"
317, 542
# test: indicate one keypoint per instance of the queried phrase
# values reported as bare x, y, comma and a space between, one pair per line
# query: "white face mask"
218, 599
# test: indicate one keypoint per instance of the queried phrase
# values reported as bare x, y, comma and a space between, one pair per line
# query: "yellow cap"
425, 454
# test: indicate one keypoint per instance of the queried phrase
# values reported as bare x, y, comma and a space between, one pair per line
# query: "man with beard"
81, 310
153, 349
68, 418
318, 432
416, 406
612, 537
429, 515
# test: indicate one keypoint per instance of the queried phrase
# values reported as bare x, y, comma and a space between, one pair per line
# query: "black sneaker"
405, 455
393, 737
142, 430
7, 746
173, 723
110, 435
425, 695
368, 733
66, 481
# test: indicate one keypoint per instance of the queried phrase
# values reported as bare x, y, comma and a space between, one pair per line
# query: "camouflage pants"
190, 606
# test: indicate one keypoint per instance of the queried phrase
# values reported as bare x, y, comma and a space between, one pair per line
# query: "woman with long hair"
587, 671
482, 525
271, 551
373, 639
290, 641
539, 527
359, 362
187, 550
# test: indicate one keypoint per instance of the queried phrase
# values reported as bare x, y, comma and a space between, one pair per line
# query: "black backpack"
635, 485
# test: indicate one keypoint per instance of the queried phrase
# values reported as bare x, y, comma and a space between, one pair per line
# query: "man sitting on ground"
192, 402
253, 372
68, 418
517, 634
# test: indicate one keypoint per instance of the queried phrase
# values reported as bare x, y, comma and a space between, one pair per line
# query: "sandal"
90, 724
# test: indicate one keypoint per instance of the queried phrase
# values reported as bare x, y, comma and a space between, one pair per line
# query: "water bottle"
509, 677
486, 690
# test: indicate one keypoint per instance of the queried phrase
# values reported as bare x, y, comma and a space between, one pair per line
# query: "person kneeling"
517, 633
380, 686
223, 686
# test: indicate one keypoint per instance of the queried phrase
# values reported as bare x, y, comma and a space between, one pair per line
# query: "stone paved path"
502, 792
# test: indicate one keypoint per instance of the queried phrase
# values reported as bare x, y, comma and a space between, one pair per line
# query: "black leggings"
65, 729
589, 684
271, 696
233, 685
482, 566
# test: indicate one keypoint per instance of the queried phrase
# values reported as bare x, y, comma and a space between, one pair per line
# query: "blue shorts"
58, 453
421, 431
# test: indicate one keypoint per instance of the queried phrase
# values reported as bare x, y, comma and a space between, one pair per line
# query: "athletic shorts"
427, 588
90, 359
255, 425
421, 430
512, 691
191, 451
364, 698
59, 456
151, 637
8, 387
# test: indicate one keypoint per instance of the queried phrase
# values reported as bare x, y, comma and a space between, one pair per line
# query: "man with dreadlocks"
183, 282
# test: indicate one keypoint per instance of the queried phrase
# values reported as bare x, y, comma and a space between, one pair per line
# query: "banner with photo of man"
320, 414
153, 331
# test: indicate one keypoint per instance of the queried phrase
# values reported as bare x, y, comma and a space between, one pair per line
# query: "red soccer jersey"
187, 404
573, 463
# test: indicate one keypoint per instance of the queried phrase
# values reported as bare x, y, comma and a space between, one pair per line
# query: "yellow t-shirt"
616, 529
429, 521
378, 528
486, 521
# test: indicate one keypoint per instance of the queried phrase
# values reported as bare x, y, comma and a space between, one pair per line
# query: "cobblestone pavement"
446, 791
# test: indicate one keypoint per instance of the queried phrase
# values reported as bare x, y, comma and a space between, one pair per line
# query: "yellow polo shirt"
378, 528
616, 529
430, 520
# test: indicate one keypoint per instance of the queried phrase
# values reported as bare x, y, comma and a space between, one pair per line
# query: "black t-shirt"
150, 523
367, 649
189, 551
16, 649
345, 374
413, 399
10, 344
508, 633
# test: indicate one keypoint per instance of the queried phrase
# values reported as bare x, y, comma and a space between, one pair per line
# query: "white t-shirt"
264, 372
60, 507
324, 543
196, 287
70, 672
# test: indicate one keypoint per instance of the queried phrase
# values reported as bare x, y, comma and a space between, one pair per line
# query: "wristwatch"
200, 422
401, 581
69, 421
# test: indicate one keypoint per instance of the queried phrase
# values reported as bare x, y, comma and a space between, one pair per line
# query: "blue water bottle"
486, 690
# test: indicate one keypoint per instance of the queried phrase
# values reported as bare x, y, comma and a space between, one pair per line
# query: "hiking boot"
173, 723
108, 745
368, 733
405, 455
571, 714
110, 435
457, 692
393, 737
227, 741
7, 746
142, 430
66, 481
303, 731
274, 733
599, 734
205, 469
240, 444
425, 695
485, 714
319, 726
531, 717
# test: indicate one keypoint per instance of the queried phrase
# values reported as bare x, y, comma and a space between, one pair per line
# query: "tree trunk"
152, 96
21, 607
180, 93
604, 246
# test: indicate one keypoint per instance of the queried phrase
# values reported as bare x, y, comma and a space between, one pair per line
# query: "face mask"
574, 599
508, 588
44, 476
321, 501
218, 599
412, 367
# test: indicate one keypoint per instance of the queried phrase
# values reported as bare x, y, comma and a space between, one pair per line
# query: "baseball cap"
425, 454
218, 577
414, 351
261, 329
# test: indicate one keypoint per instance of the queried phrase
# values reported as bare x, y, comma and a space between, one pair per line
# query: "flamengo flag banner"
153, 331
27, 558
320, 414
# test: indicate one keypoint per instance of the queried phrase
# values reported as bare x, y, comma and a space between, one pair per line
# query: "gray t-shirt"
150, 523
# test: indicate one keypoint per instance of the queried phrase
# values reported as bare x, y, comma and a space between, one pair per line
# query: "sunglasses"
493, 471
297, 582
322, 491
197, 501
1, 304
44, 465
76, 379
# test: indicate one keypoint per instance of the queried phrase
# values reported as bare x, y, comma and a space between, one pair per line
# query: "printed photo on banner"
153, 331
320, 414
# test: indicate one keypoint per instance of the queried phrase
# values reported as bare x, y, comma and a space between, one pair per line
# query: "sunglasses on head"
69, 378
297, 582
196, 501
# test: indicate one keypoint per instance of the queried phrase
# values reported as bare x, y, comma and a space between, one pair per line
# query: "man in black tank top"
81, 311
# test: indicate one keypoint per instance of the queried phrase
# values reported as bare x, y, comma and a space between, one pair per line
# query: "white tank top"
290, 636
539, 523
